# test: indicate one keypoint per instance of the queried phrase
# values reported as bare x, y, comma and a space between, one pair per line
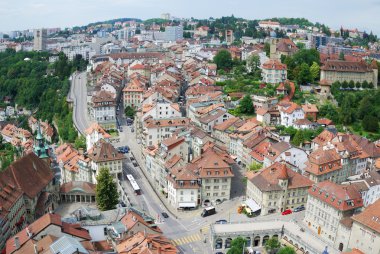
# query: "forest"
34, 83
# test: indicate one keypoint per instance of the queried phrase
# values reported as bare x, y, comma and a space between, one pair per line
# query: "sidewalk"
174, 212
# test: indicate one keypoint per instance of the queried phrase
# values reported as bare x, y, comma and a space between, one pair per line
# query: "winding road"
78, 94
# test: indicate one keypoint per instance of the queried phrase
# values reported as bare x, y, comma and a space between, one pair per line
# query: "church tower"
40, 148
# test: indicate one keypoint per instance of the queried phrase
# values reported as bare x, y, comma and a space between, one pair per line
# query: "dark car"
122, 204
165, 215
221, 222
299, 209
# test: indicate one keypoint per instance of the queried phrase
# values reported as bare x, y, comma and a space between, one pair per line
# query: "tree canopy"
106, 190
223, 60
286, 250
237, 245
272, 245
246, 105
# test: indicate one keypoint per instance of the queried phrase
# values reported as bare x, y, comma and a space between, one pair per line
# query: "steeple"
40, 148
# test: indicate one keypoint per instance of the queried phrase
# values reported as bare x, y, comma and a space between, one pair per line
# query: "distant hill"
113, 21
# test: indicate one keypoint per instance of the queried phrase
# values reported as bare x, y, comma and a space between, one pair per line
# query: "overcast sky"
24, 14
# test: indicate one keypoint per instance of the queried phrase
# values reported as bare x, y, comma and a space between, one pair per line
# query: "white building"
290, 112
328, 203
273, 72
102, 109
95, 133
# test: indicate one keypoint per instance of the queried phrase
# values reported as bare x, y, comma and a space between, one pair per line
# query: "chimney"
80, 150
17, 243
35, 248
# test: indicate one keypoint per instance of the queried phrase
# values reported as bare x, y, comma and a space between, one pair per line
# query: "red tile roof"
370, 217
341, 197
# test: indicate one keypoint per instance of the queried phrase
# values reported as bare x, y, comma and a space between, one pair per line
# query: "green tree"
365, 106
351, 84
80, 142
286, 250
237, 246
267, 49
272, 245
298, 138
106, 190
370, 123
304, 74
341, 56
130, 112
255, 166
370, 85
358, 85
314, 69
253, 63
246, 106
365, 84
223, 60
345, 84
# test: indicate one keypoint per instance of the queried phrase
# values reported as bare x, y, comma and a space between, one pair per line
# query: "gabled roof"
103, 151
341, 197
370, 217
267, 179
29, 173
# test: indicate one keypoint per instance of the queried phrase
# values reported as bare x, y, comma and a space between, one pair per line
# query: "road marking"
187, 239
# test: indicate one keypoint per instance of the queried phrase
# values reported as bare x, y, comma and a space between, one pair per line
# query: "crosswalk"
192, 238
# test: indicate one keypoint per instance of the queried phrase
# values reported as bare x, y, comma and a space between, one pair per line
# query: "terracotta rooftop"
103, 151
341, 197
370, 217
30, 174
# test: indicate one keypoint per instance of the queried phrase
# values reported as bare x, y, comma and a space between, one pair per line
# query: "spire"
40, 148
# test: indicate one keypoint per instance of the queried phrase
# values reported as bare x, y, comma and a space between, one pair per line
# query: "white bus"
134, 184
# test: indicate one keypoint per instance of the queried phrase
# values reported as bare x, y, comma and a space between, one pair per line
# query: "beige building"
336, 70
273, 72
277, 188
365, 231
214, 171
328, 203
103, 154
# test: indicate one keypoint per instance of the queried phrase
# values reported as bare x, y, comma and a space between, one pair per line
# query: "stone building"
336, 70
277, 188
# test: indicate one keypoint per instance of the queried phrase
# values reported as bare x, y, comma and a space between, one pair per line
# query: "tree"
255, 166
272, 245
341, 56
351, 84
314, 69
370, 85
246, 106
80, 142
237, 245
253, 63
267, 49
365, 84
358, 85
223, 60
344, 84
130, 112
286, 250
106, 190
370, 123
304, 74
298, 138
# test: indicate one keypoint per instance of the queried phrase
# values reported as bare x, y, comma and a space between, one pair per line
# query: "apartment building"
336, 70
273, 72
103, 109
277, 188
328, 203
103, 154
290, 112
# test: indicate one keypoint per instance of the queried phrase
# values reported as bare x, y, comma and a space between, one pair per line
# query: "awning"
192, 204
252, 205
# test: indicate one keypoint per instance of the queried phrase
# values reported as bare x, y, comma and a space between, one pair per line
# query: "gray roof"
67, 245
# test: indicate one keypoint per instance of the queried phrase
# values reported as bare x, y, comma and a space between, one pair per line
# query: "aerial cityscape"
170, 134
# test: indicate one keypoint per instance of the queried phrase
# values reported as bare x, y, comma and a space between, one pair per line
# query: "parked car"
286, 212
165, 215
299, 209
221, 222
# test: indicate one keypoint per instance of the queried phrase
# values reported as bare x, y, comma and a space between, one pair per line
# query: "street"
78, 94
